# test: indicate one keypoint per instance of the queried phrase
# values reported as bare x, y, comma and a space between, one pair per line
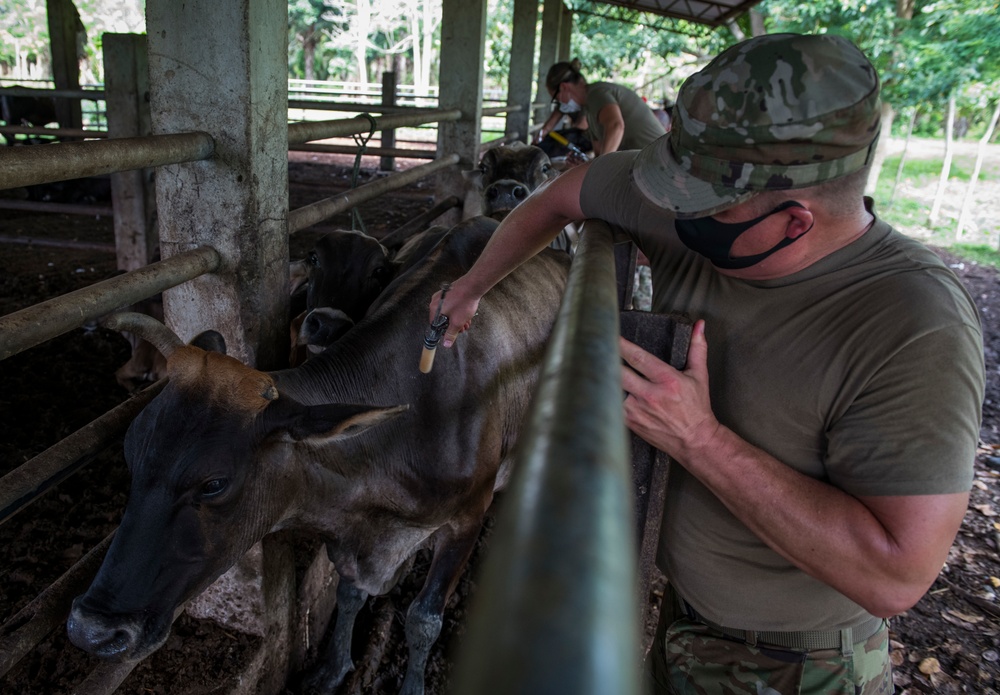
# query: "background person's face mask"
714, 240
570, 106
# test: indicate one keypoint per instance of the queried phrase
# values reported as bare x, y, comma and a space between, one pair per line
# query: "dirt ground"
948, 643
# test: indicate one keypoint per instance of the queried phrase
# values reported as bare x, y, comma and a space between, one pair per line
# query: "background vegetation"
930, 54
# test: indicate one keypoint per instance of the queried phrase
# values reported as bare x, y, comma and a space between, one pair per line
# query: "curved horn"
147, 328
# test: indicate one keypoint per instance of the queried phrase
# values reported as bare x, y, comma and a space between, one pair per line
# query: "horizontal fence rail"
556, 610
29, 481
26, 166
309, 215
34, 325
369, 151
49, 609
306, 131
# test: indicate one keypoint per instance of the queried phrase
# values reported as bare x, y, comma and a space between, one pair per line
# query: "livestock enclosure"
199, 172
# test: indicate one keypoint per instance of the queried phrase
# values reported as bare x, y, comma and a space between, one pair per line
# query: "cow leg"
336, 662
425, 615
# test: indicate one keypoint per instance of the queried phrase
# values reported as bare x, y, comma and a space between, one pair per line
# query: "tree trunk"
963, 217
882, 148
946, 168
363, 28
419, 77
902, 156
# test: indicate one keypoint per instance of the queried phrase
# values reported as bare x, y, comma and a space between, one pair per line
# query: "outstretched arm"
613, 125
524, 232
881, 552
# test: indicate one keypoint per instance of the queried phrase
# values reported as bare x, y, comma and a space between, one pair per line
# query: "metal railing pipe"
306, 131
54, 132
309, 215
369, 151
496, 110
29, 481
353, 107
91, 94
28, 327
31, 624
26, 166
557, 609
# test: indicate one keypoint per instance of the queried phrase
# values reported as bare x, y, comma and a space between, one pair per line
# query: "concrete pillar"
565, 35
220, 67
463, 39
548, 49
126, 93
522, 67
67, 36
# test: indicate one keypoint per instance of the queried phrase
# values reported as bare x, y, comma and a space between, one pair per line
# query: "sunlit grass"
984, 255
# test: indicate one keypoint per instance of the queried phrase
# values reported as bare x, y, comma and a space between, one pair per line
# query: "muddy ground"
947, 643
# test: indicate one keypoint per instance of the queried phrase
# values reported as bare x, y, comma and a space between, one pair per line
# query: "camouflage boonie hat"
774, 112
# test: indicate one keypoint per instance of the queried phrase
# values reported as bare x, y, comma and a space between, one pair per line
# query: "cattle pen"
207, 186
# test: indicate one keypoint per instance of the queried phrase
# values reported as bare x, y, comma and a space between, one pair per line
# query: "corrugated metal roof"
712, 12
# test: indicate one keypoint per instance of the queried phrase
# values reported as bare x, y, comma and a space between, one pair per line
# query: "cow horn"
147, 328
270, 393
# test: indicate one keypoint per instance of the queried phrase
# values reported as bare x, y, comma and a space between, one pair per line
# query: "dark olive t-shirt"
863, 370
641, 125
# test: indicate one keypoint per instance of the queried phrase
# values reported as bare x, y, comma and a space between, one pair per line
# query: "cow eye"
313, 259
546, 168
214, 487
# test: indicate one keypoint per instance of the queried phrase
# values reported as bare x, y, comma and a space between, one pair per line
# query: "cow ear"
298, 275
324, 423
210, 341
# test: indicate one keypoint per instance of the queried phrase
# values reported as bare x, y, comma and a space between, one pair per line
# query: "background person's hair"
563, 72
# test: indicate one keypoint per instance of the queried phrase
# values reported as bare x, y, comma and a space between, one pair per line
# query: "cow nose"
520, 192
95, 636
493, 192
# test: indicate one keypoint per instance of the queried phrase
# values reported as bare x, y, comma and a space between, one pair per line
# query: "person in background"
617, 118
823, 432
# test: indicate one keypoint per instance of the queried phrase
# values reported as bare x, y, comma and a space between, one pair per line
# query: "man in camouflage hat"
824, 430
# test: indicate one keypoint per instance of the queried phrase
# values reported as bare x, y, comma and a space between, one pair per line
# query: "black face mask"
714, 240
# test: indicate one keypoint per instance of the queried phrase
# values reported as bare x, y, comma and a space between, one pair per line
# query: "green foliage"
983, 255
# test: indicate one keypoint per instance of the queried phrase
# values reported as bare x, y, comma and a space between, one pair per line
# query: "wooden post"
126, 93
388, 163
463, 38
220, 68
522, 68
67, 36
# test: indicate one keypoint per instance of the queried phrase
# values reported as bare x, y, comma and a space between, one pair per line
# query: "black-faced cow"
355, 445
507, 175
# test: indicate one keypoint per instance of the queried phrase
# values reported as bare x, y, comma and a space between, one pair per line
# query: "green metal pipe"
27, 166
556, 610
307, 131
309, 215
28, 327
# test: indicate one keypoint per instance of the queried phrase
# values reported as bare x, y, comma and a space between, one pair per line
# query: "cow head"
344, 270
214, 468
508, 174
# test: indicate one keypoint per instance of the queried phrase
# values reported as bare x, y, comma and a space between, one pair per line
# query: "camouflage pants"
689, 658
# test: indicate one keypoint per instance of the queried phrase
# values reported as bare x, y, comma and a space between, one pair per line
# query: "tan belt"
807, 641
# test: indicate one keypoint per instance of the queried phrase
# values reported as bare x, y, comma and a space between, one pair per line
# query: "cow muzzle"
504, 195
113, 637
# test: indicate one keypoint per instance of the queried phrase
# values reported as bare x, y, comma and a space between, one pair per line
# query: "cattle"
507, 175
35, 110
346, 270
356, 445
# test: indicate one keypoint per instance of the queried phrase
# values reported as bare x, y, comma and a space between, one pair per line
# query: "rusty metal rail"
556, 610
309, 215
28, 327
26, 166
32, 479
49, 609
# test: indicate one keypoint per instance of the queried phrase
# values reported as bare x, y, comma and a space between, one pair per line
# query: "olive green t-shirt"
641, 126
863, 370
